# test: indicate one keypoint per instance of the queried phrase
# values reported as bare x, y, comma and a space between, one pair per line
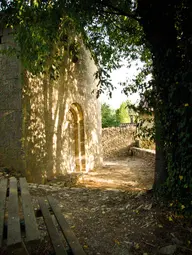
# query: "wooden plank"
32, 232
67, 232
53, 233
14, 231
3, 192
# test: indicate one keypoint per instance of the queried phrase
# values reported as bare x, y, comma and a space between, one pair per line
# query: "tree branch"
116, 11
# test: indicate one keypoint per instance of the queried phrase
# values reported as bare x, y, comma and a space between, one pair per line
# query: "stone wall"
62, 120
146, 154
116, 141
10, 106
58, 123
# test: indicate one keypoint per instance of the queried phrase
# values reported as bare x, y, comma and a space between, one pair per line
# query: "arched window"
76, 138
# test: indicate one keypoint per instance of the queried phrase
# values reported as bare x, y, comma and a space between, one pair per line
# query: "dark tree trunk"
168, 35
160, 164
158, 22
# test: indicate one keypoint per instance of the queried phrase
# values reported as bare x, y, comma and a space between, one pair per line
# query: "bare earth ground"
111, 213
127, 173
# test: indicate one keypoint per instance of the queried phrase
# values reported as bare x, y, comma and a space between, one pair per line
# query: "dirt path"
128, 174
111, 213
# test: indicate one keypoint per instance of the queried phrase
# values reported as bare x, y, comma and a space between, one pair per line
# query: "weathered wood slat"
53, 233
14, 231
32, 232
67, 232
3, 191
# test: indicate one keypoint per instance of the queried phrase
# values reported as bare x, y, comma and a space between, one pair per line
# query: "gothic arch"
77, 137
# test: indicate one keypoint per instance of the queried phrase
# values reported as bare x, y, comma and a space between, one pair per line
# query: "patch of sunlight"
94, 137
132, 183
99, 180
90, 163
67, 215
114, 163
72, 165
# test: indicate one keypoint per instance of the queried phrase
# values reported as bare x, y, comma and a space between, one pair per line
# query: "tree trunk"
160, 164
158, 22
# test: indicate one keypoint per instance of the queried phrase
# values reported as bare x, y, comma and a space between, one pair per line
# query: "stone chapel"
46, 129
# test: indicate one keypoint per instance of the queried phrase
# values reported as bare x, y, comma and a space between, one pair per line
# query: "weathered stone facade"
49, 127
116, 141
10, 106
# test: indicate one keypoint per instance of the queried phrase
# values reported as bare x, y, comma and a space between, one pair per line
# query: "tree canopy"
108, 116
125, 113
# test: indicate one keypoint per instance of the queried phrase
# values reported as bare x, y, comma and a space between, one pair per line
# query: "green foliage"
125, 113
122, 113
108, 35
173, 90
108, 116
45, 35
145, 118
145, 130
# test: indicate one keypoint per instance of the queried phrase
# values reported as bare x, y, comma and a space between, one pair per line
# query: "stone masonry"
116, 141
10, 106
48, 128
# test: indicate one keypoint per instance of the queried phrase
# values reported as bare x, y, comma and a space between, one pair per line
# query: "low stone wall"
147, 154
116, 141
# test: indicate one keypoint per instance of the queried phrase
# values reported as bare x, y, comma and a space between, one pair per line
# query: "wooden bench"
18, 225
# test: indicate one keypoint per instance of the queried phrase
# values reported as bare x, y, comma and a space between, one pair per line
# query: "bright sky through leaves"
121, 75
